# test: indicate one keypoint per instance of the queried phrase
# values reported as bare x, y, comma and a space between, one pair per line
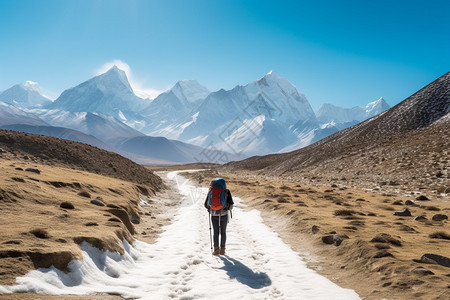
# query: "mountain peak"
31, 86
380, 103
190, 90
115, 75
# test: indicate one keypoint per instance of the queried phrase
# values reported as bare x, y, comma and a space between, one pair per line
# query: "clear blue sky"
342, 52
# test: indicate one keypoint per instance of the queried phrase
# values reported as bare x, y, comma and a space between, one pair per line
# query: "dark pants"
223, 230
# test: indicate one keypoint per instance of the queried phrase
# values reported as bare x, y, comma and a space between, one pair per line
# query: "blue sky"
342, 52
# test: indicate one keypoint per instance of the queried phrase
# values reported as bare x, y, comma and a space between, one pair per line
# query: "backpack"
216, 194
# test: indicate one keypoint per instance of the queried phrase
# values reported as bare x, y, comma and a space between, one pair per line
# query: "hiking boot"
216, 251
222, 251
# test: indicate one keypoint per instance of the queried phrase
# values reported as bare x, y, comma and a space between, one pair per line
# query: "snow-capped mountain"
24, 95
103, 127
171, 106
328, 113
10, 114
255, 118
109, 94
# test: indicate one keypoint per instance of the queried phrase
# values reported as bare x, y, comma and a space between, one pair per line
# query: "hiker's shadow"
243, 274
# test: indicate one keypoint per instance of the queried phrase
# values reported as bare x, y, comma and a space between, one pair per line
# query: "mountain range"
268, 115
404, 144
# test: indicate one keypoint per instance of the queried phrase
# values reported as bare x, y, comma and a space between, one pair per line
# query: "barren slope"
408, 144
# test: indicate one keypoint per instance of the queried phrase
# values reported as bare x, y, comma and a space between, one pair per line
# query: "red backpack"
216, 194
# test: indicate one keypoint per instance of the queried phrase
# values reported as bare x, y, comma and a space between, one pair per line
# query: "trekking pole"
210, 235
220, 227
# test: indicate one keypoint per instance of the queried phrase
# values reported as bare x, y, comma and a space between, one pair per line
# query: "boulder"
439, 217
422, 271
98, 201
404, 213
429, 258
337, 238
328, 239
422, 198
420, 218
37, 171
409, 202
66, 205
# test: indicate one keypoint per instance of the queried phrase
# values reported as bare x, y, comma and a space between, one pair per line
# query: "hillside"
56, 194
403, 146
55, 151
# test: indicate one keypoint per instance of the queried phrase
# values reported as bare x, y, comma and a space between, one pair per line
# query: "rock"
84, 194
12, 242
334, 185
2, 151
19, 169
422, 271
18, 179
337, 238
440, 235
420, 218
97, 202
383, 253
439, 217
112, 206
40, 233
409, 202
315, 229
434, 259
61, 241
114, 220
91, 224
404, 213
67, 205
135, 219
397, 202
328, 239
422, 198
407, 228
37, 171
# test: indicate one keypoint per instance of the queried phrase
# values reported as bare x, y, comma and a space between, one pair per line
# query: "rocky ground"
361, 239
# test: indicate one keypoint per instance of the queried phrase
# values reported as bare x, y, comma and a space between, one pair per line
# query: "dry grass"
40, 228
376, 270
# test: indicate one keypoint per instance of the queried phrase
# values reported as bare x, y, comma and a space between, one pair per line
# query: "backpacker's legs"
223, 230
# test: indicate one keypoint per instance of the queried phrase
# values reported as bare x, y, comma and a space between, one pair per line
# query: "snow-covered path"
258, 265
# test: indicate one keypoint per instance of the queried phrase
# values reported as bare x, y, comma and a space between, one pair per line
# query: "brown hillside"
55, 151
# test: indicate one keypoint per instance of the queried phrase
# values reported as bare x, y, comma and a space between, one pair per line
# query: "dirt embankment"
59, 152
55, 194
352, 236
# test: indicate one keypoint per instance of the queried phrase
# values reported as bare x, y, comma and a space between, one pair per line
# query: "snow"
32, 86
179, 265
331, 113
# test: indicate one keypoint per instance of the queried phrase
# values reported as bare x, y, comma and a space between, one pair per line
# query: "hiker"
218, 203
